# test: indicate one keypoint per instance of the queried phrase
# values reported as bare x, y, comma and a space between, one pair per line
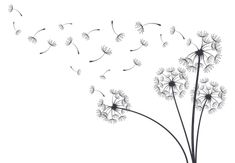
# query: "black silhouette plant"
136, 63
164, 43
143, 43
114, 112
61, 26
93, 90
140, 27
17, 31
119, 36
173, 31
51, 44
105, 50
11, 8
87, 35
103, 75
33, 38
78, 71
69, 41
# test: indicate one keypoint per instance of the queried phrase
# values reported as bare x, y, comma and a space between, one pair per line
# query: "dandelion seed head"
18, 32
32, 39
189, 42
139, 27
106, 50
120, 37
51, 43
144, 43
61, 26
92, 89
136, 62
85, 36
10, 8
69, 41
172, 30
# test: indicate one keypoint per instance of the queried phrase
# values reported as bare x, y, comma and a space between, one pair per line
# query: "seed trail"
61, 26
78, 71
143, 43
164, 43
17, 31
103, 75
119, 36
136, 63
11, 8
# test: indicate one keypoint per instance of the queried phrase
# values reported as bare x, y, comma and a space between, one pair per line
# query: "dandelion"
119, 36
103, 75
140, 27
17, 31
61, 26
204, 57
87, 35
210, 96
173, 31
105, 50
51, 44
171, 82
164, 43
136, 63
78, 71
33, 38
143, 43
69, 41
11, 8
114, 112
93, 90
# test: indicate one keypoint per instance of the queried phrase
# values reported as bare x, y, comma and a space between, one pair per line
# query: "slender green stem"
182, 123
168, 131
198, 129
194, 106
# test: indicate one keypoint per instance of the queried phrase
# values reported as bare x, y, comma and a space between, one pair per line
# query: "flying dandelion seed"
206, 56
93, 90
119, 36
17, 31
103, 75
33, 38
164, 43
69, 41
78, 71
173, 31
140, 27
61, 26
171, 82
51, 44
136, 63
86, 36
105, 50
143, 43
11, 8
114, 113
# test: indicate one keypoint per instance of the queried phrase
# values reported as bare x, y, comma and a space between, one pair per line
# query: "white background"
46, 112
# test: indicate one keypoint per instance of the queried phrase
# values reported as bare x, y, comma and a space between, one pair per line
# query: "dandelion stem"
45, 50
129, 68
100, 93
198, 129
93, 30
97, 58
76, 48
181, 34
152, 23
18, 12
14, 26
182, 123
136, 48
158, 123
194, 106
39, 31
113, 28
67, 24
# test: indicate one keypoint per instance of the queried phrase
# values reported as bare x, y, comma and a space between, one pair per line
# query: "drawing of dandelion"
78, 71
11, 8
140, 27
105, 50
33, 38
143, 43
164, 43
86, 36
61, 26
93, 90
119, 36
51, 44
136, 63
103, 75
69, 41
173, 31
17, 31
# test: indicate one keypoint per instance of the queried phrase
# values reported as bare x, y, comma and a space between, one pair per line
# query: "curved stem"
194, 106
158, 123
76, 48
198, 129
129, 68
93, 30
97, 58
67, 23
181, 34
152, 23
161, 38
18, 12
39, 31
182, 123
136, 48
106, 71
14, 26
100, 93
45, 50
113, 28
